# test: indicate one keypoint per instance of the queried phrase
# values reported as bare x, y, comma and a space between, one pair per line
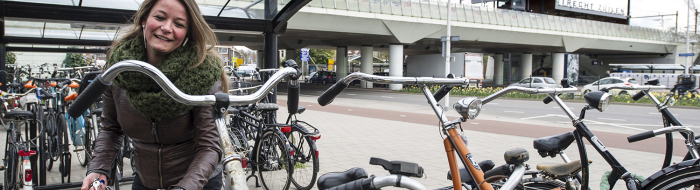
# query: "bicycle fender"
669, 169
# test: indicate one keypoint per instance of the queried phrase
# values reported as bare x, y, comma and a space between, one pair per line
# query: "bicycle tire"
272, 161
305, 159
11, 164
684, 177
65, 157
540, 184
51, 146
84, 159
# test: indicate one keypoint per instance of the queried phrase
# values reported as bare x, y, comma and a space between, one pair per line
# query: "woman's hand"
90, 178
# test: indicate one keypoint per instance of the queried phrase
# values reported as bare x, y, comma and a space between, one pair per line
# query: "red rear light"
27, 173
315, 137
329, 76
244, 162
291, 152
316, 151
627, 84
286, 129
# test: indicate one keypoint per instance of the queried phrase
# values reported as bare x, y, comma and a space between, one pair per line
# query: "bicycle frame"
219, 102
581, 132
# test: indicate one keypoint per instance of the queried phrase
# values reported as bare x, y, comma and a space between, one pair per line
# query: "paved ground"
354, 130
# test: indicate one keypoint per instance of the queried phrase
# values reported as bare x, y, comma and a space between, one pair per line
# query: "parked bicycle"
677, 176
472, 172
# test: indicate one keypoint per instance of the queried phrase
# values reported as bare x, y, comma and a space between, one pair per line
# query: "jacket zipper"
160, 159
160, 166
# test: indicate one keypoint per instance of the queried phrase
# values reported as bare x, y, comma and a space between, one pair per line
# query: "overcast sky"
655, 7
647, 8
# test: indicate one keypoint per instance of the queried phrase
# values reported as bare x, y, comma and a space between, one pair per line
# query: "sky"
654, 7
650, 8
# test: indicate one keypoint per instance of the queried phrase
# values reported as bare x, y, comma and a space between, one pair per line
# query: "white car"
247, 70
536, 82
610, 82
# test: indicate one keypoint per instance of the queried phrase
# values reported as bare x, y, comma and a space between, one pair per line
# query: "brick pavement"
349, 141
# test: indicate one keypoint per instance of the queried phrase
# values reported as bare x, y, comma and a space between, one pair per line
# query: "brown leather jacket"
182, 151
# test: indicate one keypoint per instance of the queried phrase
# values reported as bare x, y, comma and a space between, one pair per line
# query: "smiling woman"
172, 36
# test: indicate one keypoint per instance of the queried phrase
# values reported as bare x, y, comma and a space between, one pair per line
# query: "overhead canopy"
92, 23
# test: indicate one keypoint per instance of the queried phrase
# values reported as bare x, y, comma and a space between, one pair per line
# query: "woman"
176, 146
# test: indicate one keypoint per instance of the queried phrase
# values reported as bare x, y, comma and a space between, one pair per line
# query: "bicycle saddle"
97, 111
19, 114
561, 169
485, 165
267, 107
301, 109
15, 85
333, 179
551, 145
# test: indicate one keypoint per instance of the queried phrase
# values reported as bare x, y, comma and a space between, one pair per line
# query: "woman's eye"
179, 25
159, 18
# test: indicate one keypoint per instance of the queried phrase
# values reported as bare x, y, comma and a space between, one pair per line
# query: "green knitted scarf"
146, 96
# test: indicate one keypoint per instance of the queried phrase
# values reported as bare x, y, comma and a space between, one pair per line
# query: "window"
550, 81
617, 81
536, 80
223, 50
527, 80
605, 81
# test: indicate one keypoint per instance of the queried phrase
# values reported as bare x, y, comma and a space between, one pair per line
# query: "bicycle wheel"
304, 157
684, 178
65, 157
272, 161
52, 152
84, 159
11, 165
539, 183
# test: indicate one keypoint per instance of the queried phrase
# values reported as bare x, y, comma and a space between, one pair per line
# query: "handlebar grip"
440, 93
605, 89
329, 95
503, 170
639, 95
88, 96
292, 97
360, 184
640, 136
547, 100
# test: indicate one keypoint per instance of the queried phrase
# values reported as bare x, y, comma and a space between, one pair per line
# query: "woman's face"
166, 26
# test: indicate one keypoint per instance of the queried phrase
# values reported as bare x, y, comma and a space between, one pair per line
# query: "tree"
319, 56
10, 59
75, 60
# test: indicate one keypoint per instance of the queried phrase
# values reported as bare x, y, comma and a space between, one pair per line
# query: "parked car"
247, 70
609, 82
536, 82
323, 77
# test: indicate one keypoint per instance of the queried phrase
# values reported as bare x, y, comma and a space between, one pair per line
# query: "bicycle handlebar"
374, 183
329, 95
104, 80
529, 91
645, 87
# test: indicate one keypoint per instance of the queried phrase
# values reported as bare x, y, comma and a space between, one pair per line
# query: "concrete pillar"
498, 69
395, 64
557, 66
366, 64
341, 62
260, 57
526, 65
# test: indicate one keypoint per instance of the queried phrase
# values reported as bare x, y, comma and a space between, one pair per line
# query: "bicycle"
235, 176
20, 161
302, 138
471, 173
672, 177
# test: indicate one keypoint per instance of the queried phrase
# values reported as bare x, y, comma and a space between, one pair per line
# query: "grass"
687, 100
